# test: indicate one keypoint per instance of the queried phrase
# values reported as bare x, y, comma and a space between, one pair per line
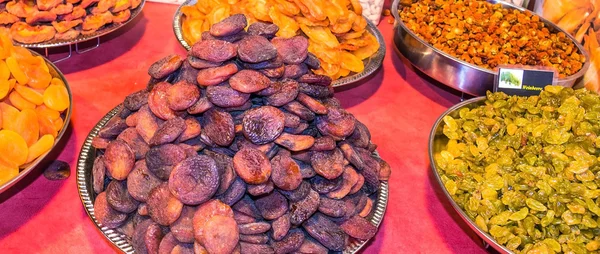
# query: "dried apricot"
38, 77
4, 88
7, 172
16, 70
30, 94
13, 148
19, 102
26, 124
43, 145
4, 71
9, 113
56, 97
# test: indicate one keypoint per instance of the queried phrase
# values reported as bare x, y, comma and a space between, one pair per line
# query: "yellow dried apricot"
8, 171
42, 63
38, 77
40, 147
56, 97
13, 148
19, 102
26, 124
57, 81
4, 88
16, 70
58, 124
4, 71
46, 126
46, 112
9, 114
29, 94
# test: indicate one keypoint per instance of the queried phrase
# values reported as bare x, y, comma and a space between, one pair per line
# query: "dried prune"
168, 132
315, 79
202, 105
98, 171
359, 228
182, 95
147, 123
254, 49
324, 143
335, 207
249, 81
303, 209
118, 197
280, 227
254, 228
119, 159
326, 232
105, 214
220, 234
329, 164
216, 75
324, 186
225, 168
287, 92
198, 63
194, 180
300, 110
273, 72
167, 244
163, 207
242, 218
182, 229
338, 123
225, 96
295, 142
141, 181
293, 50
153, 237
350, 177
219, 127
113, 128
255, 248
235, 192
215, 51
135, 142
230, 25
286, 173
192, 129
272, 206
247, 206
312, 104
306, 170
290, 243
263, 124
256, 238
165, 66
252, 165
158, 101
311, 246
361, 135
297, 194
136, 100
267, 30
161, 159
312, 61
294, 71
260, 189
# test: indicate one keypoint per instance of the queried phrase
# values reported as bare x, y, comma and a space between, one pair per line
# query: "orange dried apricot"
57, 81
46, 126
19, 102
16, 70
29, 94
40, 147
56, 97
4, 88
9, 113
58, 124
13, 148
43, 64
38, 77
4, 71
46, 112
26, 124
8, 171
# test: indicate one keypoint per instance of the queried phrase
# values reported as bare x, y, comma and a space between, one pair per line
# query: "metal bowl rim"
571, 78
66, 123
485, 236
376, 58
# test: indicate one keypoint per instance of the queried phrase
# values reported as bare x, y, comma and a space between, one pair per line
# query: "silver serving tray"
458, 74
85, 162
437, 143
81, 38
371, 64
55, 72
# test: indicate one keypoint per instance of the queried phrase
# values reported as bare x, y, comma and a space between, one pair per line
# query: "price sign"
523, 82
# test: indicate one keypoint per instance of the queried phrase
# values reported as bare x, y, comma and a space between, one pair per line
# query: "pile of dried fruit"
31, 103
525, 169
239, 147
488, 35
336, 29
40, 21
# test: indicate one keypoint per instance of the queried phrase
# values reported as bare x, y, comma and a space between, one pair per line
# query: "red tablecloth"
398, 105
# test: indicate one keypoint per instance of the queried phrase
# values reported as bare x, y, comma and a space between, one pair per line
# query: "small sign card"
523, 81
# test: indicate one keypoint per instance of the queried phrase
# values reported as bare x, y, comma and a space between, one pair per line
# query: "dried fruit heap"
336, 28
488, 35
44, 20
238, 148
525, 169
31, 104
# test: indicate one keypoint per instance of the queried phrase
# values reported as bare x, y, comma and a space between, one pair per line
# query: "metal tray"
85, 163
66, 117
458, 74
81, 38
371, 64
438, 142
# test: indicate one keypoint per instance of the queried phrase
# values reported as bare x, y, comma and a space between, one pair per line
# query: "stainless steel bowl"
371, 64
85, 164
437, 143
66, 117
81, 38
454, 72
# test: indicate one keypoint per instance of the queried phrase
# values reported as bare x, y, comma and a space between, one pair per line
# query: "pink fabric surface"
398, 104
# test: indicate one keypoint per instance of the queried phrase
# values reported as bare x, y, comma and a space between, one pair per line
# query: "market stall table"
397, 104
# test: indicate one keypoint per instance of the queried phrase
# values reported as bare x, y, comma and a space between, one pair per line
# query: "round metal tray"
81, 38
85, 163
437, 143
454, 72
371, 64
66, 115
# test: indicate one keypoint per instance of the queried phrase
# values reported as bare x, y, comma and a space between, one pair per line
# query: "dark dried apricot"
263, 124
139, 234
194, 180
338, 123
225, 96
249, 81
182, 229
198, 63
163, 207
118, 197
267, 30
220, 235
326, 232
272, 206
295, 142
153, 237
311, 246
165, 66
290, 243
300, 110
297, 194
306, 169
234, 193
351, 154
105, 214
359, 228
119, 159
187, 73
192, 129
329, 164
312, 61
247, 206
216, 75
298, 130
135, 142
303, 209
361, 135
161, 159
182, 95
269, 64
286, 173
350, 178
252, 166
324, 186
280, 227
242, 218
287, 93
358, 185
136, 100
318, 92
98, 173
202, 105
256, 238
315, 79
225, 168
219, 127
294, 71
113, 128
141, 181
254, 49
291, 120
230, 25
384, 170
293, 50
147, 123
335, 207
324, 143
158, 101
100, 143
312, 104
167, 244
273, 73
255, 248
215, 51
254, 228
168, 132
260, 189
